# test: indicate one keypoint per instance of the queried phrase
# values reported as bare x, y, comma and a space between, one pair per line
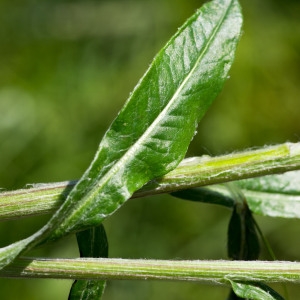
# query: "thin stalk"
192, 172
219, 271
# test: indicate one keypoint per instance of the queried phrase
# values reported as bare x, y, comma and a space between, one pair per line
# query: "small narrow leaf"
243, 241
151, 134
254, 291
206, 195
92, 243
87, 290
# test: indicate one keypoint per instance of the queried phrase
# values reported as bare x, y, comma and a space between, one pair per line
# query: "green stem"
113, 268
198, 171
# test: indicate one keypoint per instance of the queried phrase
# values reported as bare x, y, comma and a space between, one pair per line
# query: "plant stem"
192, 172
113, 268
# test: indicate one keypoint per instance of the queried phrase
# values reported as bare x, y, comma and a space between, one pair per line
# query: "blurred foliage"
66, 68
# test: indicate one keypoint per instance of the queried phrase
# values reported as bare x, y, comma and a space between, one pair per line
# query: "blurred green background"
66, 68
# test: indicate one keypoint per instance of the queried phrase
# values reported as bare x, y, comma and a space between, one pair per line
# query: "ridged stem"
112, 268
192, 172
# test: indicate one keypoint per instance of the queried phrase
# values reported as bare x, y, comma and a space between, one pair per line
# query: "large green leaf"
152, 132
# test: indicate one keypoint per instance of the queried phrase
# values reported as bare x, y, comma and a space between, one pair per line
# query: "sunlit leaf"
254, 291
233, 296
92, 243
273, 195
152, 132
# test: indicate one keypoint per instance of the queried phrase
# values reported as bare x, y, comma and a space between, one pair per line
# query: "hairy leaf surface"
152, 132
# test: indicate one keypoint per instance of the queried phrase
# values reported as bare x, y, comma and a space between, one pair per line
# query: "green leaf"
92, 243
152, 132
243, 241
233, 296
87, 290
273, 195
210, 194
254, 291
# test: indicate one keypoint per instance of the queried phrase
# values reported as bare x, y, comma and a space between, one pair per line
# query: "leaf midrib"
132, 150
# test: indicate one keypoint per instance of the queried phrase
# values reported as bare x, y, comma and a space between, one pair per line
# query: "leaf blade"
160, 142
92, 243
270, 195
151, 134
254, 291
273, 195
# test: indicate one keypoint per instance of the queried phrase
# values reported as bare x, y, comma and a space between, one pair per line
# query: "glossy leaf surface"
254, 291
271, 195
152, 132
92, 243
